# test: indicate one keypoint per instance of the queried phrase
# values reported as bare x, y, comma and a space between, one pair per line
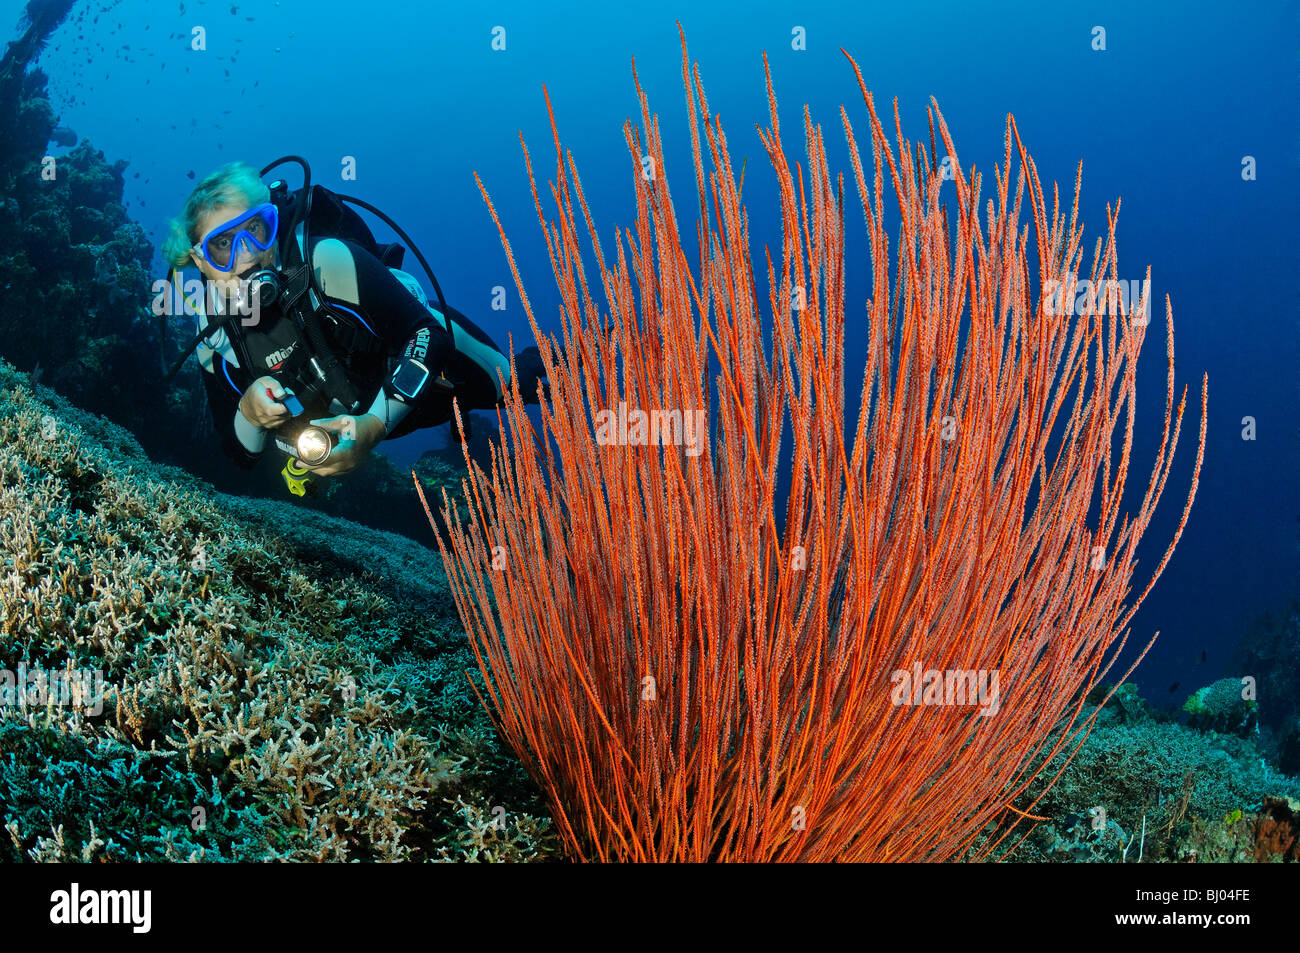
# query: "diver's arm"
410, 385
250, 436
224, 401
243, 419
388, 411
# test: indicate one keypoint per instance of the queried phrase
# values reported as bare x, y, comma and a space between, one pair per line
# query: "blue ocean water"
1165, 116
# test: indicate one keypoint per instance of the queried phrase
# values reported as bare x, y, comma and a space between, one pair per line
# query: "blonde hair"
234, 183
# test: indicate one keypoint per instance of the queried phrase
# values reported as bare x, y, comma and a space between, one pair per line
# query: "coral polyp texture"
694, 665
271, 683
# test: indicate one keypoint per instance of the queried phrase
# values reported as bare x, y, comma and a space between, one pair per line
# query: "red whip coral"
695, 667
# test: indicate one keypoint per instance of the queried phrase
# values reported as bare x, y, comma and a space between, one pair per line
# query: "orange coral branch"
695, 669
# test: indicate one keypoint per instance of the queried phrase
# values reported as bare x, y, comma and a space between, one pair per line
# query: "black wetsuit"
381, 323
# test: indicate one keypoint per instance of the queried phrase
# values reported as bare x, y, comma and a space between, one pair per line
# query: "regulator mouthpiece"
264, 288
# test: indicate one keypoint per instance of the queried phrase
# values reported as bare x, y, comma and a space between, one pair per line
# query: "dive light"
314, 445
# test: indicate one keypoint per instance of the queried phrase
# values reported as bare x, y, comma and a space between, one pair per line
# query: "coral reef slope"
259, 682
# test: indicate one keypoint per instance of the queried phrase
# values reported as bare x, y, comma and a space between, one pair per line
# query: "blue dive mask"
255, 230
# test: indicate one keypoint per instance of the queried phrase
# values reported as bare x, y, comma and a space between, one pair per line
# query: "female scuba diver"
330, 357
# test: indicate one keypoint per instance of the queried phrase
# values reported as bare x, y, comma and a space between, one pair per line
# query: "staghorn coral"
277, 684
494, 836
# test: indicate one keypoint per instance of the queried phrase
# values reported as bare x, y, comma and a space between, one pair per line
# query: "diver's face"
245, 260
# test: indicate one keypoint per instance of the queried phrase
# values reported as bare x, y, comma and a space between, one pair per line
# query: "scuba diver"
310, 334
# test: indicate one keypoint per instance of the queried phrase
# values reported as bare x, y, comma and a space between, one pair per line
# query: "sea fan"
874, 665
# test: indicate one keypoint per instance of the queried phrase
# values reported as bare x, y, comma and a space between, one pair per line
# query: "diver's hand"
358, 435
259, 409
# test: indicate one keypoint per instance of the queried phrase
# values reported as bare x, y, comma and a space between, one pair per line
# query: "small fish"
189, 174
1202, 655
1174, 687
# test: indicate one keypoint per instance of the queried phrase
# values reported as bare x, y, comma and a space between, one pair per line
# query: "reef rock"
1226, 706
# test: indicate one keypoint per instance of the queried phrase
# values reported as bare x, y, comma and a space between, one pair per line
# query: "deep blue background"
1163, 117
